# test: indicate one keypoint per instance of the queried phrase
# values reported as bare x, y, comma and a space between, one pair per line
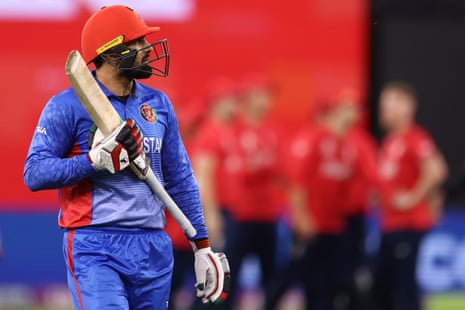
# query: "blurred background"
309, 49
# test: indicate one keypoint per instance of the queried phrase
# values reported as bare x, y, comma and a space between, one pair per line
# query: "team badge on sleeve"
148, 113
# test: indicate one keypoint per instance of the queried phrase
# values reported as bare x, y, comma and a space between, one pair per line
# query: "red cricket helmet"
113, 26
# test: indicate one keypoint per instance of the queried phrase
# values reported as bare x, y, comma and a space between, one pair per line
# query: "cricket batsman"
116, 251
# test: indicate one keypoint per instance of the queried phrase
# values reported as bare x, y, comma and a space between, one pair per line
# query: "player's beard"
142, 72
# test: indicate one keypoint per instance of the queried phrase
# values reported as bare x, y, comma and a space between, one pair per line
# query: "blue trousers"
118, 268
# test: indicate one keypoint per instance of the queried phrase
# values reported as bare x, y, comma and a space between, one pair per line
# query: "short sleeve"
424, 146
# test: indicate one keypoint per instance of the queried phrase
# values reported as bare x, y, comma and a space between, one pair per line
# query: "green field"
446, 302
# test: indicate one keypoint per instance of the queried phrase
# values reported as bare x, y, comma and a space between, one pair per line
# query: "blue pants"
118, 268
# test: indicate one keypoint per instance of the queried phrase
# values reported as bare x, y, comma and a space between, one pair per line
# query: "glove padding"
131, 138
213, 276
115, 152
108, 153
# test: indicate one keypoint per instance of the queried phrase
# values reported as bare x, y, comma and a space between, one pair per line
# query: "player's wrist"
200, 244
85, 166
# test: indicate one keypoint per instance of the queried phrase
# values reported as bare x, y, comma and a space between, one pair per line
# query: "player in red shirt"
411, 170
358, 193
255, 210
206, 127
323, 162
215, 160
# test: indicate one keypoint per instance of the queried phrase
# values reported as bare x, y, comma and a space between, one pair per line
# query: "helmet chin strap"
123, 58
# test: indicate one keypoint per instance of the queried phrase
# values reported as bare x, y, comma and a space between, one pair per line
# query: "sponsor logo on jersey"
41, 130
148, 113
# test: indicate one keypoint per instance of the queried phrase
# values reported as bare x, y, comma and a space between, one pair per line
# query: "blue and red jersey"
57, 160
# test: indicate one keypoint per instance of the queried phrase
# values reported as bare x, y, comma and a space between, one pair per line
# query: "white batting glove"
212, 274
107, 153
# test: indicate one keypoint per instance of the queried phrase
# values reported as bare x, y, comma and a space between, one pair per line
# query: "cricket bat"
107, 119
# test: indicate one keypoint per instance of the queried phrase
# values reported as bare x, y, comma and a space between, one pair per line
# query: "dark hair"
402, 87
98, 62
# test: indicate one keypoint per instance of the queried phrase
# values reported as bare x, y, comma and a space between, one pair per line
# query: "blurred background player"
215, 160
289, 270
358, 196
323, 163
255, 212
411, 170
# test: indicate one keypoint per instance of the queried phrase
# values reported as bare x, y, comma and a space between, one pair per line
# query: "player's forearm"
207, 195
52, 173
205, 166
297, 203
300, 215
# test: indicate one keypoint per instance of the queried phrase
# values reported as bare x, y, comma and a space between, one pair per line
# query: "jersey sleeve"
423, 146
178, 175
47, 166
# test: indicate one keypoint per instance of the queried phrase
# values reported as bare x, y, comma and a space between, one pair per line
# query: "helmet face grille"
123, 58
162, 57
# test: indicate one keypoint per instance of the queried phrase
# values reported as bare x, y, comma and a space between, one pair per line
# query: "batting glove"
107, 153
131, 138
212, 274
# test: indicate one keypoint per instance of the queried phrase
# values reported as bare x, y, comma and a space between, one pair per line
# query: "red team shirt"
257, 197
218, 141
322, 163
401, 157
363, 178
